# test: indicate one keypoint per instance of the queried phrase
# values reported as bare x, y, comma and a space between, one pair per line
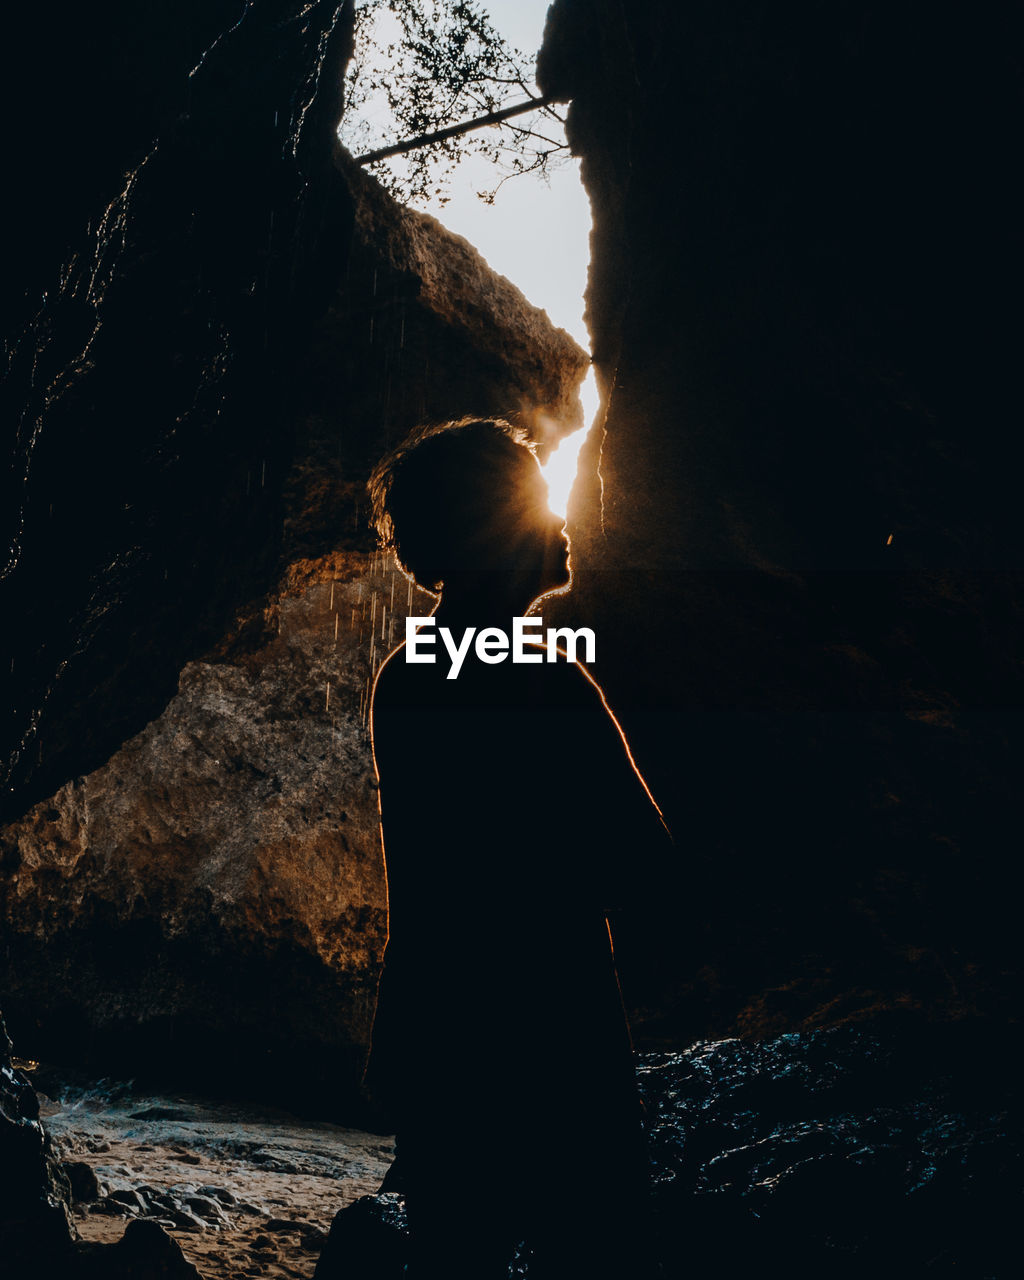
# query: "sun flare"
560, 469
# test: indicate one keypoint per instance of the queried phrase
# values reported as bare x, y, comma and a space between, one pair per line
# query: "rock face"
34, 1194
219, 880
36, 1240
221, 875
212, 893
238, 1186
151, 358
803, 308
886, 1150
422, 331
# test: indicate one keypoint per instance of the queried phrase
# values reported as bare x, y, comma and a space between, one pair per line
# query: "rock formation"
803, 309
34, 1194
217, 882
37, 1240
875, 1150
801, 511
151, 358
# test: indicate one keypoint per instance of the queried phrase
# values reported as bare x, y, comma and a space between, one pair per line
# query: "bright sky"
536, 233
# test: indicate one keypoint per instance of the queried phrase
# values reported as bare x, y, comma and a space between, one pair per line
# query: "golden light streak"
560, 469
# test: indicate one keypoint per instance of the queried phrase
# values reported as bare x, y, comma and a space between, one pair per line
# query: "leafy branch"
437, 75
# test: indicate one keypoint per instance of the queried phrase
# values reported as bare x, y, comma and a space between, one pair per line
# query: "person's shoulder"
403, 684
569, 679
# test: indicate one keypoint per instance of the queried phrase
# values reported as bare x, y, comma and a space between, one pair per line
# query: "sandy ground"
244, 1192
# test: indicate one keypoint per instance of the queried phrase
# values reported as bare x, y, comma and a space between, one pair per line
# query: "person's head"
465, 507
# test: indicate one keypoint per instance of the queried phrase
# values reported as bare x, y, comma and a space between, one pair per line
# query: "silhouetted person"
512, 819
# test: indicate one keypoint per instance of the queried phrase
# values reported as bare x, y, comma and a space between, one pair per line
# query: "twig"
427, 139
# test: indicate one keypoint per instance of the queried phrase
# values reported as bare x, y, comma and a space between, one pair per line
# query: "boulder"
797, 537
37, 1236
889, 1149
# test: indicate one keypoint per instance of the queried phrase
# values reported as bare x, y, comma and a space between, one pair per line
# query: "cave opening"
805, 584
192, 896
531, 226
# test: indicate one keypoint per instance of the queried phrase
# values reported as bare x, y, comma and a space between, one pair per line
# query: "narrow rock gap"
804, 571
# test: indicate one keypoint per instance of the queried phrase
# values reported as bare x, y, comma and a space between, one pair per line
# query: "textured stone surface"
35, 1210
152, 357
37, 1238
888, 1150
422, 331
219, 875
803, 305
238, 1186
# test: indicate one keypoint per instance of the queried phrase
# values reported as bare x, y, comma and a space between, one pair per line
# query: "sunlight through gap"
561, 468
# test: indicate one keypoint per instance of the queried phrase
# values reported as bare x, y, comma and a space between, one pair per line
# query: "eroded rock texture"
805, 562
35, 1209
262, 321
36, 1232
887, 1150
220, 876
422, 330
151, 359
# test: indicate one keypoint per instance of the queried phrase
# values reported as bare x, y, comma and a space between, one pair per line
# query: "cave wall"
803, 508
35, 1219
203, 888
38, 1237
218, 882
151, 350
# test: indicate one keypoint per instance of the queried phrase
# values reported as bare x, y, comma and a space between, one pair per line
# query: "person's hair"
440, 485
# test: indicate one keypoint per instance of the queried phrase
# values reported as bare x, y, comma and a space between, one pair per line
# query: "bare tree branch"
453, 131
420, 65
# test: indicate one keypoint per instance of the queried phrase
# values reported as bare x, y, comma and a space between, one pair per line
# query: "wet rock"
891, 1151
144, 1252
35, 1210
36, 1240
160, 1113
799, 550
207, 1209
185, 1220
206, 146
110, 1205
231, 845
82, 1180
844, 1152
132, 1200
367, 1239
219, 1193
